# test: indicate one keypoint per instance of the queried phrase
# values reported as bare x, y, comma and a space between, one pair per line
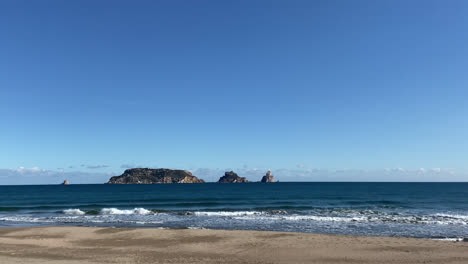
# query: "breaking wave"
73, 212
115, 211
223, 213
338, 215
110, 211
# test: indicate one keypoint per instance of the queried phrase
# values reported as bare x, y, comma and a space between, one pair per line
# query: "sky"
313, 90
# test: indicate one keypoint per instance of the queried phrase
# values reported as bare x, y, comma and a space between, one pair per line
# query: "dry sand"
126, 245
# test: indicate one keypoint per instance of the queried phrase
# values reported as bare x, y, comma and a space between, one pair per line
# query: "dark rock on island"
268, 177
150, 176
232, 177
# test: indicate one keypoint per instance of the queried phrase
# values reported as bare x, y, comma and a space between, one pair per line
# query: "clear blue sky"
97, 86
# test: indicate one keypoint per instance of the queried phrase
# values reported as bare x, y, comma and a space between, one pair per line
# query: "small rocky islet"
156, 176
268, 177
232, 177
151, 176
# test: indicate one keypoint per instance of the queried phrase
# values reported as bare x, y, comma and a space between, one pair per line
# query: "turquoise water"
432, 210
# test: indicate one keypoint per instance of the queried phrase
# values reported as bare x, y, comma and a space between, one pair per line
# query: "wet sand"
146, 245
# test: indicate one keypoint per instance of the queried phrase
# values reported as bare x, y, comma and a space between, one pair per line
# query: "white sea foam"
324, 218
115, 211
22, 219
438, 219
144, 216
73, 212
452, 239
87, 219
302, 218
454, 216
224, 213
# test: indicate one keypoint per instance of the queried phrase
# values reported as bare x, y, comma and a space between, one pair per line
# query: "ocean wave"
73, 212
24, 219
293, 218
142, 216
226, 213
115, 211
9, 209
235, 213
356, 218
81, 219
110, 211
340, 215
323, 218
453, 216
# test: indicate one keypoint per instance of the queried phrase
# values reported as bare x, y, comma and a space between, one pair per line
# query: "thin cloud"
132, 165
311, 174
97, 166
36, 175
127, 166
27, 170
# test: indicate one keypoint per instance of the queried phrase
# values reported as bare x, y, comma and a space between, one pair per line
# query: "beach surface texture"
149, 245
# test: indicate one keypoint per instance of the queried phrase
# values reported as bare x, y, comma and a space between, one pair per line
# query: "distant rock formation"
268, 177
150, 176
232, 177
65, 182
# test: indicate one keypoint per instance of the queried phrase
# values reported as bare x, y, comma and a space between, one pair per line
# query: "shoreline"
68, 244
446, 239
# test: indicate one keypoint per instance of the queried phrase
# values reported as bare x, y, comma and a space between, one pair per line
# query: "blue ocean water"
430, 210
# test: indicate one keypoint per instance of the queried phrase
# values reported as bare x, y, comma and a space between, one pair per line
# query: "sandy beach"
127, 245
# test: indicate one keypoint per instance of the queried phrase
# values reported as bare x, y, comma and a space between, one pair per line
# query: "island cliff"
232, 177
268, 177
150, 176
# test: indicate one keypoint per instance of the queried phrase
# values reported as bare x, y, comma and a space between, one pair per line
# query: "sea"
422, 210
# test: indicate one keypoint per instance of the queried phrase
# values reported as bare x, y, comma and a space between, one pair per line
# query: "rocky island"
232, 177
151, 176
268, 177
